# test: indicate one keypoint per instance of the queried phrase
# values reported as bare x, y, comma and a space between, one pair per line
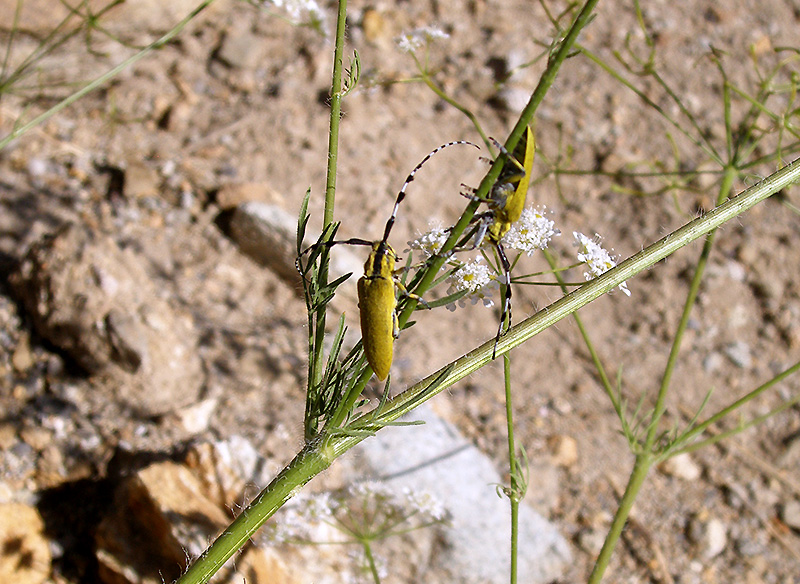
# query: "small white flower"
596, 258
371, 489
425, 503
533, 231
409, 42
475, 277
300, 11
431, 242
298, 519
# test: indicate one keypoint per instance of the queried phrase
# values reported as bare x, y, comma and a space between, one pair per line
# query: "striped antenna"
402, 194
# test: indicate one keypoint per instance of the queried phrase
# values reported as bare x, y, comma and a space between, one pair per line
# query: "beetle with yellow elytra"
505, 203
378, 287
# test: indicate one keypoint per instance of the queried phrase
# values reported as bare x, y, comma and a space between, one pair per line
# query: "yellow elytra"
377, 304
506, 202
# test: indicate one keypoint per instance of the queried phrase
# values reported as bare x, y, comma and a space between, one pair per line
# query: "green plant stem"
373, 568
317, 359
652, 104
336, 114
513, 465
306, 465
647, 455
730, 409
598, 364
639, 473
462, 108
100, 81
694, 290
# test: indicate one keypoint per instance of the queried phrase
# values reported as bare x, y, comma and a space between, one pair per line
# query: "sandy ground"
236, 108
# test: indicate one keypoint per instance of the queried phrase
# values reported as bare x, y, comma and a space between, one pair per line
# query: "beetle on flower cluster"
378, 287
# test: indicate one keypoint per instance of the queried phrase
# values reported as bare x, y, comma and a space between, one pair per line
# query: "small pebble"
739, 354
681, 466
790, 514
591, 540
564, 450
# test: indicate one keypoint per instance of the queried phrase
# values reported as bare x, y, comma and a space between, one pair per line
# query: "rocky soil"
152, 331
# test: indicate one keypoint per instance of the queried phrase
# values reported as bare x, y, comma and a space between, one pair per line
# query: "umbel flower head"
477, 279
532, 232
430, 243
410, 41
597, 259
301, 12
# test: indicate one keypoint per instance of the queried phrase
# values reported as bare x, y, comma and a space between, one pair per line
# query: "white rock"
681, 466
436, 458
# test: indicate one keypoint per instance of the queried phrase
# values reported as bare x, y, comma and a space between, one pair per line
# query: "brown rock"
25, 557
158, 516
267, 234
564, 450
141, 180
22, 358
233, 195
98, 303
260, 566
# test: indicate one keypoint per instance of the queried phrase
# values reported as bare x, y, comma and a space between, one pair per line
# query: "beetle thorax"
381, 261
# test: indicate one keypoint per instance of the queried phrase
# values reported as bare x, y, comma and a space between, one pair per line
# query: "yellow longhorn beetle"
506, 201
377, 296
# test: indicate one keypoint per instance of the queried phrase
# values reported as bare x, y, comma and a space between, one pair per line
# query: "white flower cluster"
409, 42
597, 259
477, 279
300, 11
306, 517
532, 232
431, 242
426, 503
299, 519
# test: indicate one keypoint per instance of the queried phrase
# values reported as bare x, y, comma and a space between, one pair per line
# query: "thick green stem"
305, 466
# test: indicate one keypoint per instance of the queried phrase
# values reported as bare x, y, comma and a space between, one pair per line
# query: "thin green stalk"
694, 290
317, 358
728, 410
598, 364
12, 33
650, 103
743, 426
462, 108
336, 114
348, 403
635, 482
373, 568
647, 455
100, 81
513, 465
